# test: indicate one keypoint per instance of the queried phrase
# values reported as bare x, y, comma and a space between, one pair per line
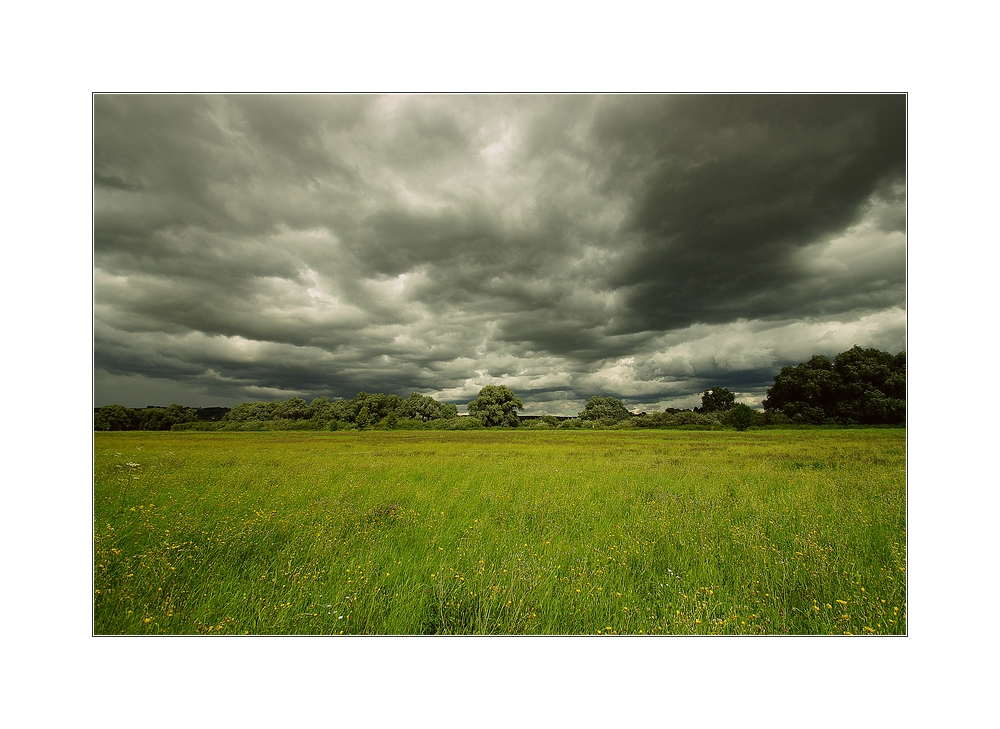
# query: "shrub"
200, 425
772, 417
539, 424
741, 416
468, 422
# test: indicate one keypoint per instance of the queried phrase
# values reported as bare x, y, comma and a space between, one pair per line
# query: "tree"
114, 417
364, 417
806, 393
319, 409
247, 411
422, 407
860, 386
716, 399
151, 419
342, 411
294, 408
873, 386
178, 414
605, 408
497, 405
741, 416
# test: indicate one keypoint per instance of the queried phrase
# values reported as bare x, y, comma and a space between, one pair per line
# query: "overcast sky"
645, 247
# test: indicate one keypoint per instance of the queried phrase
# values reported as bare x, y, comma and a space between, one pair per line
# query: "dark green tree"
320, 409
364, 417
605, 408
421, 407
151, 419
716, 399
175, 413
806, 393
741, 416
294, 408
343, 411
114, 417
248, 411
860, 386
497, 405
873, 387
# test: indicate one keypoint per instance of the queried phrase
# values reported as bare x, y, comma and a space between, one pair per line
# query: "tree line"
858, 387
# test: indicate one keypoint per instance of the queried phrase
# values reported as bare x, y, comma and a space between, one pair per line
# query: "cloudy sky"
645, 247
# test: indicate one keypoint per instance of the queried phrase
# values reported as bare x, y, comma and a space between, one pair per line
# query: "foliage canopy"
717, 399
859, 387
496, 405
119, 417
741, 416
605, 408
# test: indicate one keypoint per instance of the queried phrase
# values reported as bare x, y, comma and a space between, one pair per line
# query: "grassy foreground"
502, 532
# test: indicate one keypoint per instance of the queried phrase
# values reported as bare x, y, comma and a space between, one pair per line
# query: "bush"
546, 422
741, 416
200, 425
773, 417
686, 417
466, 422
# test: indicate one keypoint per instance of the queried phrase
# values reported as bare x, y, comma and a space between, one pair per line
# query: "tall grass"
502, 532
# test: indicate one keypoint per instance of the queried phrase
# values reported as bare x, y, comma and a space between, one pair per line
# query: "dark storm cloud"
726, 189
252, 246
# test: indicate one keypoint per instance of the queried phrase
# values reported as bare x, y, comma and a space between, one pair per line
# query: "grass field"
501, 532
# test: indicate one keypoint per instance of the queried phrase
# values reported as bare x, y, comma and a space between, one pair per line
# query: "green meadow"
498, 531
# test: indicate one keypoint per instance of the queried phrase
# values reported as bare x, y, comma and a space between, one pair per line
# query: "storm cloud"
645, 247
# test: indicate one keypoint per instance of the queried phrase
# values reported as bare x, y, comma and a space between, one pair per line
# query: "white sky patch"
310, 303
493, 152
317, 289
677, 361
388, 104
319, 234
489, 334
104, 281
418, 199
496, 151
746, 345
232, 348
522, 376
735, 353
620, 377
461, 393
266, 394
861, 251
391, 289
